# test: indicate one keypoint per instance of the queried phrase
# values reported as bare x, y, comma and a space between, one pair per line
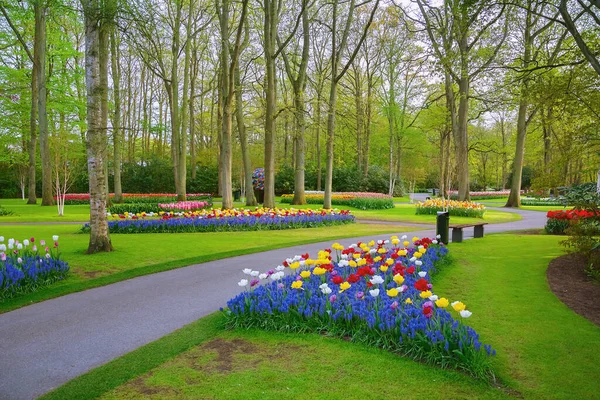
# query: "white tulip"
377, 280
418, 263
55, 238
404, 237
11, 246
19, 260
19, 246
11, 241
465, 313
243, 282
280, 268
262, 276
413, 259
374, 292
2, 247
434, 241
433, 297
254, 273
247, 271
422, 274
25, 242
1, 239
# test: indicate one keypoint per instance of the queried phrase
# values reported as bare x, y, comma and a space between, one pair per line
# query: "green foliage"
583, 197
4, 211
557, 226
134, 208
541, 202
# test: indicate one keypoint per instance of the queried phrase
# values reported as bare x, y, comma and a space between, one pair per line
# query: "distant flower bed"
456, 208
139, 208
559, 220
227, 220
84, 198
379, 294
361, 200
481, 195
25, 267
531, 201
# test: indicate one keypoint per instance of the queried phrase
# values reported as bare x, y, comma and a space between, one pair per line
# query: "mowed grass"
145, 253
23, 212
544, 349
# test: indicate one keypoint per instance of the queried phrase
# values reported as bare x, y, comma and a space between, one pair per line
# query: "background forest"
381, 96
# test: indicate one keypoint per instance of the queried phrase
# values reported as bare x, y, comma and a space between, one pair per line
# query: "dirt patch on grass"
573, 287
226, 351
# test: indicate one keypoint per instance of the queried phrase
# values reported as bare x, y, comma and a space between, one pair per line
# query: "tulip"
1, 239
408, 301
254, 273
247, 271
3, 256
55, 238
399, 279
243, 282
344, 286
442, 302
426, 294
297, 285
305, 274
465, 313
422, 274
377, 280
393, 292
458, 306
2, 247
19, 260
374, 292
262, 276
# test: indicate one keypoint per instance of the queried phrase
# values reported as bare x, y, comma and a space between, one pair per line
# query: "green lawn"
36, 213
141, 254
544, 208
544, 349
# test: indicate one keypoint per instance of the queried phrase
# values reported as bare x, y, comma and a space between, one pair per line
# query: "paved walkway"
47, 344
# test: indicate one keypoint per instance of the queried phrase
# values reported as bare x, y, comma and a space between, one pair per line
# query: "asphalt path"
44, 345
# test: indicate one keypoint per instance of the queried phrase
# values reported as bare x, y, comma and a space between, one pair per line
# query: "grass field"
141, 254
544, 349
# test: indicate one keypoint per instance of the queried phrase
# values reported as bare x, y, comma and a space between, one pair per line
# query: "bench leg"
478, 231
457, 235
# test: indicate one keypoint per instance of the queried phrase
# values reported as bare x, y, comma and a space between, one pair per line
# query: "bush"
134, 208
4, 211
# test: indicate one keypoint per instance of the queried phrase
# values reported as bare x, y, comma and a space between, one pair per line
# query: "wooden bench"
457, 230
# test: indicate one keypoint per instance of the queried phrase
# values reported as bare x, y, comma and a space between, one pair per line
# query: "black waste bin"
260, 196
443, 226
236, 195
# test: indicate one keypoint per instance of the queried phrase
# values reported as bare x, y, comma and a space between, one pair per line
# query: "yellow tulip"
294, 265
377, 259
352, 263
297, 285
383, 268
319, 271
305, 274
393, 292
406, 243
389, 261
408, 301
458, 306
426, 294
442, 302
344, 286
399, 279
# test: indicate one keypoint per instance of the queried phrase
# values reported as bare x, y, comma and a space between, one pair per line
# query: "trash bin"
260, 196
236, 195
443, 226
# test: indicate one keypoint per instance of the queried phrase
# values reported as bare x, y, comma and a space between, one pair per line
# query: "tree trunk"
330, 136
318, 138
96, 54
226, 145
31, 192
239, 116
462, 139
270, 35
116, 123
40, 10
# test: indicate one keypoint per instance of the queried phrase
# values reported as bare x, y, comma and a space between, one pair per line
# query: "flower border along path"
47, 344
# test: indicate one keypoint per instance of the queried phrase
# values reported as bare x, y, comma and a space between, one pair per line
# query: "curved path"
47, 344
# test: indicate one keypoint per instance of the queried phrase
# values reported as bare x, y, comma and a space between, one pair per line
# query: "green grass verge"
539, 342
36, 213
147, 253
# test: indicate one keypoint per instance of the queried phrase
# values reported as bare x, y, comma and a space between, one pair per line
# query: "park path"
47, 344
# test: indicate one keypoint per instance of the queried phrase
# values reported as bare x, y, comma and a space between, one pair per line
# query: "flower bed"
531, 201
376, 293
84, 198
456, 208
227, 220
481, 195
24, 267
361, 200
146, 208
559, 220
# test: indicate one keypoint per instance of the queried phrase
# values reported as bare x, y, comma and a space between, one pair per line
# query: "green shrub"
556, 226
133, 208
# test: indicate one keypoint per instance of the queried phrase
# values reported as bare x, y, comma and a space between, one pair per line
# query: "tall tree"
40, 10
98, 16
229, 60
338, 49
116, 121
